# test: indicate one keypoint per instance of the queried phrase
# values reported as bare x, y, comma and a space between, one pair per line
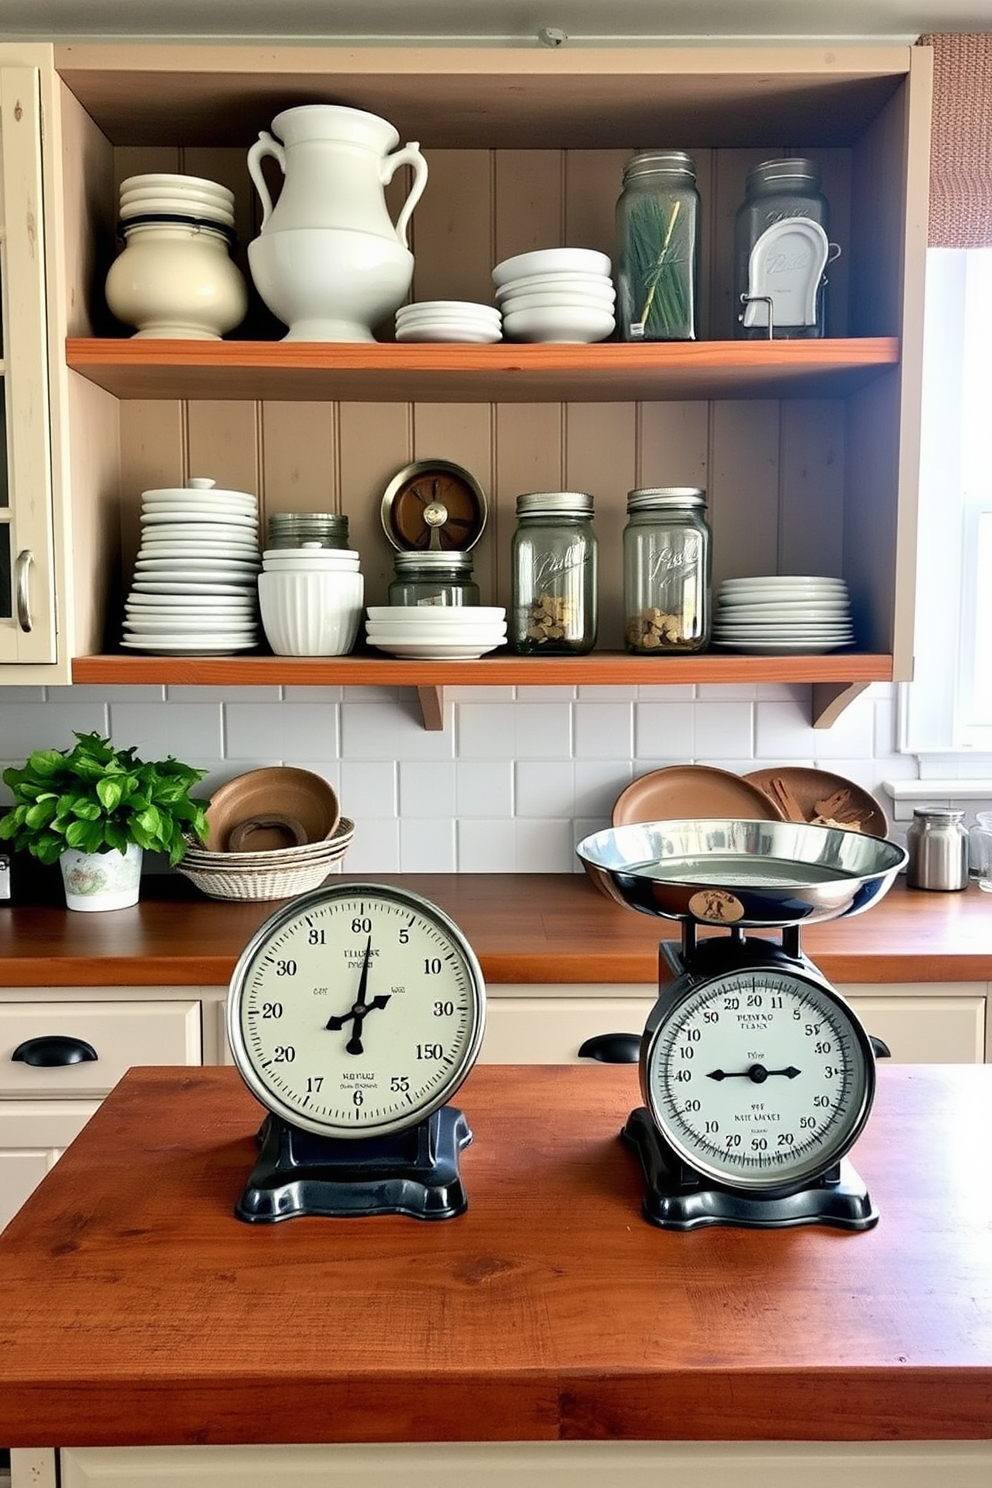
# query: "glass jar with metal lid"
657, 226
667, 566
775, 192
294, 529
433, 578
554, 575
937, 844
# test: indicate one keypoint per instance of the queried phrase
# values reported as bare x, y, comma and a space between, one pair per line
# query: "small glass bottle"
554, 575
981, 850
433, 578
657, 226
937, 844
667, 568
775, 190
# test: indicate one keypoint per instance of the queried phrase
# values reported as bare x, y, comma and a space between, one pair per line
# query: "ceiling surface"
492, 22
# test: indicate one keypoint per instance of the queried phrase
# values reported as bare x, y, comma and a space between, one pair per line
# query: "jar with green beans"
657, 220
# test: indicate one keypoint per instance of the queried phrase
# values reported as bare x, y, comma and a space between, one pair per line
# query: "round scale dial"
356, 1010
760, 1079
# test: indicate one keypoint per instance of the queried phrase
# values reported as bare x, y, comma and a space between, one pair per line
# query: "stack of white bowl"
194, 585
782, 613
175, 277
311, 599
436, 632
162, 195
448, 320
556, 294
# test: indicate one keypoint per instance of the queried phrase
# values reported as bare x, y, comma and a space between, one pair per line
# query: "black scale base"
676, 1197
414, 1173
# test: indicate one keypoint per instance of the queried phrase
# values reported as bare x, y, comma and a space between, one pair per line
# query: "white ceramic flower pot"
94, 881
176, 280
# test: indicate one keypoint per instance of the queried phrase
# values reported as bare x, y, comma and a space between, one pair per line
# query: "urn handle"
409, 155
265, 145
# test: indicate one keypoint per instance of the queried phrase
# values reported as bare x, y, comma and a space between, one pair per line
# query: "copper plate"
681, 791
810, 786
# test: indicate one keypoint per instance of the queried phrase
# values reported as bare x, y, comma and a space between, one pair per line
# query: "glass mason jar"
554, 574
433, 578
657, 226
775, 190
981, 850
667, 568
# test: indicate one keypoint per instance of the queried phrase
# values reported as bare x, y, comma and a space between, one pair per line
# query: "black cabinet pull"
51, 1049
612, 1048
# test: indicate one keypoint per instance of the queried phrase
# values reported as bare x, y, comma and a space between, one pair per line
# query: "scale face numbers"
760, 1079
356, 1011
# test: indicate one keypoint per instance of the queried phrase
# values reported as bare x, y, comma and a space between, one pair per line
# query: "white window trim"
928, 707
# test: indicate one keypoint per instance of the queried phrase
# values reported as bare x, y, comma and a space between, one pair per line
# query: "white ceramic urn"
328, 260
176, 280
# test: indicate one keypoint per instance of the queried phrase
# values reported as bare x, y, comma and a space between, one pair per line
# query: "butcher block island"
549, 1333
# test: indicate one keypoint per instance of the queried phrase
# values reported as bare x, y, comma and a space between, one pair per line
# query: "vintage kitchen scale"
756, 1075
354, 1014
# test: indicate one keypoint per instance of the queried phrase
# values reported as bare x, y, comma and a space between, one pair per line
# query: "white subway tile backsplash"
368, 788
514, 780
483, 788
427, 789
664, 731
427, 845
604, 730
544, 788
723, 731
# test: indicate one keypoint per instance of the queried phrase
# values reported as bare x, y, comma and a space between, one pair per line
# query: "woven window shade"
961, 140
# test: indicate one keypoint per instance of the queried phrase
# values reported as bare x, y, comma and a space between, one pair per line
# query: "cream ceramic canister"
328, 259
176, 280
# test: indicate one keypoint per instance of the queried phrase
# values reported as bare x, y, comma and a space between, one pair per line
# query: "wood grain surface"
137, 1309
525, 928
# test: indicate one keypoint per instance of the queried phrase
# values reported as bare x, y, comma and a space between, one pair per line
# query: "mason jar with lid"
433, 578
937, 844
554, 575
667, 567
657, 225
775, 191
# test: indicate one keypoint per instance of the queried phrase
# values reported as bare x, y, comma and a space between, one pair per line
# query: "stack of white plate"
161, 196
556, 294
448, 320
195, 585
779, 613
436, 632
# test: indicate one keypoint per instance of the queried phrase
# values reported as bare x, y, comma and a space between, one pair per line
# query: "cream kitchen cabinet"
536, 1465
808, 450
27, 555
921, 1023
62, 1050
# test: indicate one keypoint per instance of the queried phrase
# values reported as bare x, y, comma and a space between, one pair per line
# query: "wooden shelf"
836, 679
505, 373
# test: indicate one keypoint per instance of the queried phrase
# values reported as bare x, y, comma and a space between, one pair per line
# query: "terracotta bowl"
277, 807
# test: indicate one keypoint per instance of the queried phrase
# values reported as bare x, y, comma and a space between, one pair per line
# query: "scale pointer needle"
359, 1009
755, 1072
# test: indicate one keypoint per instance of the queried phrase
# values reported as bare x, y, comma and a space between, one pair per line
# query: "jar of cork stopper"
554, 575
666, 571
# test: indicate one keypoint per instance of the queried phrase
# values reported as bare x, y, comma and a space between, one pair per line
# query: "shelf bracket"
432, 707
831, 698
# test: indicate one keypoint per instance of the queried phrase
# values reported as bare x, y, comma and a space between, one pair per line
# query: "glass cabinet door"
27, 618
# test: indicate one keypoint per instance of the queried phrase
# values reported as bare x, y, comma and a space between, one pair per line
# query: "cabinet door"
945, 1026
33, 1136
27, 609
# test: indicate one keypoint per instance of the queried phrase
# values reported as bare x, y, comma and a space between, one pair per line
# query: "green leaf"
87, 836
110, 791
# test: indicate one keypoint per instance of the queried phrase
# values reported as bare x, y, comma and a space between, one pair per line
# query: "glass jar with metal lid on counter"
554, 558
667, 567
429, 577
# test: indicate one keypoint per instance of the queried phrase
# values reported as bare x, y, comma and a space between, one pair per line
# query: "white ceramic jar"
176, 280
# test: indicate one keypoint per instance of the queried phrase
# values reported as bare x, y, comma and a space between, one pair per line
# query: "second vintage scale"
356, 1011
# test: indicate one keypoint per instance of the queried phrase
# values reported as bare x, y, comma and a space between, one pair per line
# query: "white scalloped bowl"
311, 614
549, 261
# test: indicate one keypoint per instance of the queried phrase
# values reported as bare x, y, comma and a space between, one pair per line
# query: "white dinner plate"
433, 651
449, 334
235, 601
185, 514
239, 565
240, 552
176, 586
205, 645
782, 648
759, 607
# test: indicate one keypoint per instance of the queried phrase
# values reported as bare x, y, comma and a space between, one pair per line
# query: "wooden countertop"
137, 1309
525, 928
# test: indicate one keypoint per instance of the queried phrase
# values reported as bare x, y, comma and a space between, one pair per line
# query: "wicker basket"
279, 876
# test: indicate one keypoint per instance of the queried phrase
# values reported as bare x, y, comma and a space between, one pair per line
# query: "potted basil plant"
96, 809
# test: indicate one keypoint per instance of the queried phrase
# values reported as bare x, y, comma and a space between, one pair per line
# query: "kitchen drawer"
121, 1035
549, 1030
33, 1135
928, 1029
